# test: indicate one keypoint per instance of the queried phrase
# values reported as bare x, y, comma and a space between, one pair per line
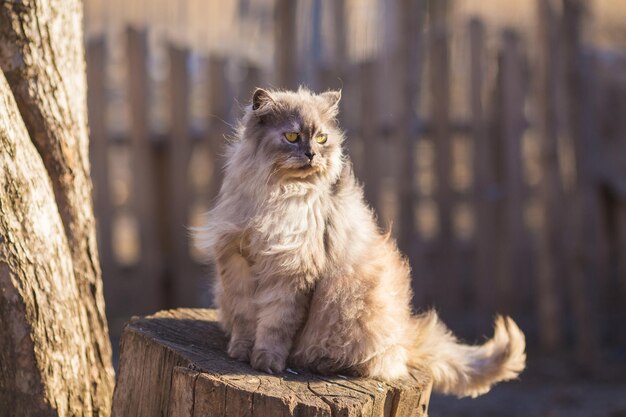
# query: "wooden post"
251, 80
331, 73
610, 99
369, 136
148, 281
549, 250
285, 43
174, 364
218, 113
621, 247
580, 250
98, 155
409, 72
485, 182
312, 59
510, 131
440, 95
340, 33
187, 286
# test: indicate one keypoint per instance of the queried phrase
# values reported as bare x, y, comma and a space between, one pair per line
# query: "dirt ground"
549, 388
553, 399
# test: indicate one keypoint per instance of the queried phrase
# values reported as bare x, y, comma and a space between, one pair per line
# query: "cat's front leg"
235, 302
280, 313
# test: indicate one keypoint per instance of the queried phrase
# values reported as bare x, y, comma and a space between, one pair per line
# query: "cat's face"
296, 132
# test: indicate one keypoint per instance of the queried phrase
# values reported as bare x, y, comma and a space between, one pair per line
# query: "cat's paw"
240, 349
267, 361
324, 366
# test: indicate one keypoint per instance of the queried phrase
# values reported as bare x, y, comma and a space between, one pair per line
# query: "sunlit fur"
306, 278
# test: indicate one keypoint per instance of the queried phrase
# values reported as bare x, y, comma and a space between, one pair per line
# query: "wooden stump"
174, 364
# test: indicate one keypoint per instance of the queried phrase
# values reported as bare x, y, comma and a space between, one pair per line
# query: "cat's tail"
465, 370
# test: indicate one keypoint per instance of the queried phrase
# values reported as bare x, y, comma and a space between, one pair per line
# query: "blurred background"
490, 137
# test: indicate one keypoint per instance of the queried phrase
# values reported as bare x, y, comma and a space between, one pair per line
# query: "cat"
305, 277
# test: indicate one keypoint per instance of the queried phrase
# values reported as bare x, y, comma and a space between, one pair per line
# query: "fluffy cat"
305, 276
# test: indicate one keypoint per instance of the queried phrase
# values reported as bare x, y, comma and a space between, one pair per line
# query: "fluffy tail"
465, 370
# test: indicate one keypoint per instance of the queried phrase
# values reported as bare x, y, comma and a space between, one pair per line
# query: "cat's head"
296, 132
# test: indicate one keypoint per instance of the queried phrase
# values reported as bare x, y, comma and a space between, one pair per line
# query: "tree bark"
52, 295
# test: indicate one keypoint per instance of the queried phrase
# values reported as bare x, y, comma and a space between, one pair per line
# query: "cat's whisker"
215, 116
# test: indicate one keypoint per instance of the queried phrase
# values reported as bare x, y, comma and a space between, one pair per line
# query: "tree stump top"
174, 363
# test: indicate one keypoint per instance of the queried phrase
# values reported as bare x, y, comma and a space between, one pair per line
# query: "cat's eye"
291, 136
321, 138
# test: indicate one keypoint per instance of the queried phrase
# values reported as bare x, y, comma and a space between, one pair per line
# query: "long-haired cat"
305, 276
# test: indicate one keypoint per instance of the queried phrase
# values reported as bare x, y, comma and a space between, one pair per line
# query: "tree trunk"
174, 364
56, 357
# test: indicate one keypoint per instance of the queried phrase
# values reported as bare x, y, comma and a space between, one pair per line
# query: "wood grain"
174, 364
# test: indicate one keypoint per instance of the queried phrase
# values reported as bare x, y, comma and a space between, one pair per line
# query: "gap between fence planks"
174, 364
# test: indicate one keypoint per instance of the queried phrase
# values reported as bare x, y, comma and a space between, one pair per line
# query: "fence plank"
621, 248
444, 259
409, 72
369, 136
549, 251
609, 95
99, 150
581, 239
511, 129
251, 80
311, 56
350, 119
485, 182
285, 45
148, 279
187, 286
331, 73
218, 111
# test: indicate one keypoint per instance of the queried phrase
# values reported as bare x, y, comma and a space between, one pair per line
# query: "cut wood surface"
174, 364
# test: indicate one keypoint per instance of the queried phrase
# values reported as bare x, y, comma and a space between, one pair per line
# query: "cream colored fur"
305, 276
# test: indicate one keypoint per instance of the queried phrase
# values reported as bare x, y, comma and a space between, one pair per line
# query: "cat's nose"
310, 155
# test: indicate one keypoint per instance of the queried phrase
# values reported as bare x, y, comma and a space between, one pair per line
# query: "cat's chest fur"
286, 234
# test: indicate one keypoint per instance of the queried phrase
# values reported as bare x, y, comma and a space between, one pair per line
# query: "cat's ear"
261, 99
331, 98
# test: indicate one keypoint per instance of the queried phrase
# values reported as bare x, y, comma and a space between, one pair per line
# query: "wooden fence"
502, 173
